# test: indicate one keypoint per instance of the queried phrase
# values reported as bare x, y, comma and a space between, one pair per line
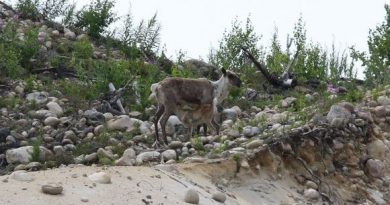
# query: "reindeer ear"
223, 71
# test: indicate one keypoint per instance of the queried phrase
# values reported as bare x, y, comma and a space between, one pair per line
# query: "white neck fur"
221, 89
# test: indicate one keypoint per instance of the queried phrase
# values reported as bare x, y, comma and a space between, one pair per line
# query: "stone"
174, 125
123, 123
147, 156
33, 166
383, 100
287, 102
375, 168
58, 150
94, 115
169, 155
377, 149
55, 108
51, 121
4, 132
311, 184
254, 144
127, 159
23, 154
230, 114
191, 197
52, 188
22, 175
175, 145
89, 158
219, 196
102, 153
38, 97
55, 33
70, 35
311, 194
100, 177
338, 111
84, 199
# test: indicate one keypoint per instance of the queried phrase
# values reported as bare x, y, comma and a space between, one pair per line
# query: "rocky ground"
316, 149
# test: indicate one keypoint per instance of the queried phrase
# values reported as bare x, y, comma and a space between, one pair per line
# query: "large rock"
174, 125
377, 149
339, 115
311, 194
55, 108
287, 102
169, 154
127, 159
124, 123
23, 154
22, 175
94, 115
219, 196
383, 100
191, 197
254, 144
100, 177
147, 156
38, 97
375, 168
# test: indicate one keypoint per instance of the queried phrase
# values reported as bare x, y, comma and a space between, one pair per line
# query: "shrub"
83, 49
96, 18
37, 10
377, 60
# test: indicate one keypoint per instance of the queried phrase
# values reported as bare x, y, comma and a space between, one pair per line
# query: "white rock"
219, 196
51, 121
55, 108
254, 144
311, 194
22, 175
100, 177
147, 156
39, 97
123, 122
23, 154
169, 155
191, 197
127, 159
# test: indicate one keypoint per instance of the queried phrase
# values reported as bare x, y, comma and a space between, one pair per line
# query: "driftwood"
58, 72
285, 81
110, 101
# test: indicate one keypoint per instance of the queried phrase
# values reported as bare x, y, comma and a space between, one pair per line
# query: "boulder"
191, 197
127, 159
52, 188
375, 168
23, 154
169, 155
147, 156
100, 177
22, 175
38, 97
55, 108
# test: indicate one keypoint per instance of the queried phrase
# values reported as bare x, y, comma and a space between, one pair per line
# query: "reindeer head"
232, 77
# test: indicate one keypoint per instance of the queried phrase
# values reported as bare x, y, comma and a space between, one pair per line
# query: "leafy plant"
95, 18
377, 60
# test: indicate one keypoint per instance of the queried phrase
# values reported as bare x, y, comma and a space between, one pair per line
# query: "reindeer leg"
204, 129
157, 116
215, 126
163, 122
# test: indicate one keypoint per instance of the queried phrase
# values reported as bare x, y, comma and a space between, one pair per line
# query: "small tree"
229, 53
37, 9
96, 18
377, 60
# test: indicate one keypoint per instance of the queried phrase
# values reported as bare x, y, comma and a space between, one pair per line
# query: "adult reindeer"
194, 101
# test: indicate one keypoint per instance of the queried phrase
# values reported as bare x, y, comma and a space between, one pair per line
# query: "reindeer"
192, 100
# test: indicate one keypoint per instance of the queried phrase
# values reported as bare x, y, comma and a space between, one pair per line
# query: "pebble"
84, 199
52, 188
219, 196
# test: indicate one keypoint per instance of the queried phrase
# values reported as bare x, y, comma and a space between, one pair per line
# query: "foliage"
229, 53
377, 60
95, 18
144, 37
35, 155
37, 9
29, 48
9, 52
83, 48
197, 144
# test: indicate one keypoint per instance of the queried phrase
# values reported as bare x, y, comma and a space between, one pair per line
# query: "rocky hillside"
304, 146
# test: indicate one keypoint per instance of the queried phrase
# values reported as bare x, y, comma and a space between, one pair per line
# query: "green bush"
36, 10
377, 60
83, 49
95, 18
